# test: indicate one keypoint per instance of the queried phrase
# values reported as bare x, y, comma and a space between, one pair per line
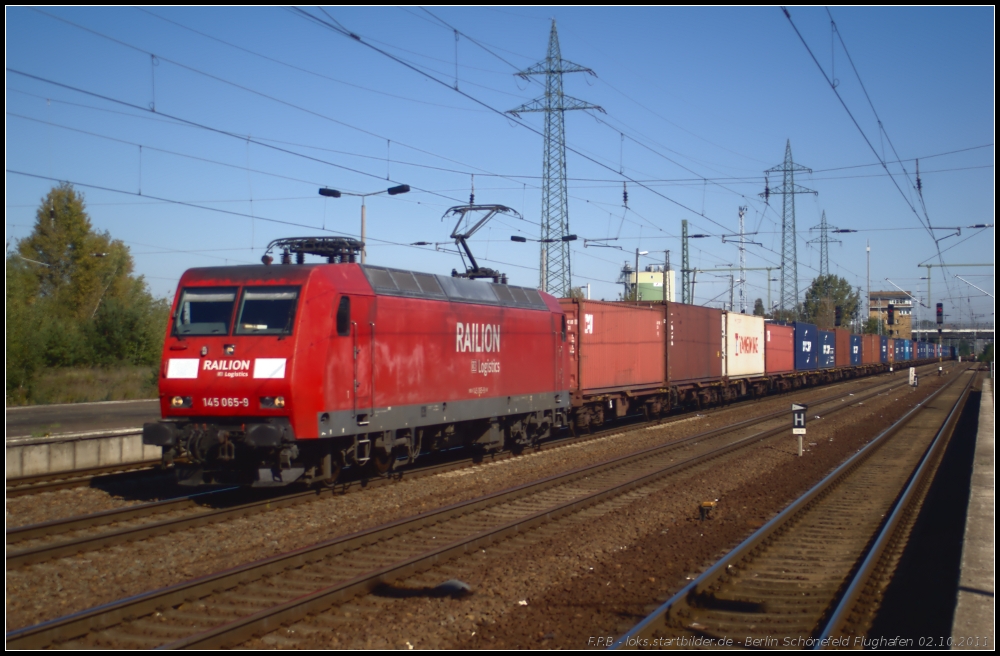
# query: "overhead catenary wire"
658, 217
335, 26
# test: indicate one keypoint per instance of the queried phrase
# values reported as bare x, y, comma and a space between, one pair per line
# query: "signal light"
892, 315
940, 313
837, 315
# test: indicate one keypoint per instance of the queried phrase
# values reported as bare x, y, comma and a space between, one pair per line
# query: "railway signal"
891, 312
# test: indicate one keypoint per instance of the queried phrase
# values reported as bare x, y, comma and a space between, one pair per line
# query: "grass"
80, 385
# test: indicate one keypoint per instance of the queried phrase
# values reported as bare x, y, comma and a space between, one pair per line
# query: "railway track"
29, 485
59, 538
228, 607
26, 485
800, 580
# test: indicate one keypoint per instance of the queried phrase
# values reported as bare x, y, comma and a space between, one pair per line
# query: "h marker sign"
799, 419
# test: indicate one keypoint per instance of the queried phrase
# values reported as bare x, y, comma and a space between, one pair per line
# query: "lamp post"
543, 241
635, 288
392, 191
522, 240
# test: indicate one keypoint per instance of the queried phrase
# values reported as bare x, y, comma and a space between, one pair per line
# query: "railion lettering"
226, 365
477, 338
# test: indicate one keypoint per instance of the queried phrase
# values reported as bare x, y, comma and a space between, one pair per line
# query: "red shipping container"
614, 345
779, 348
871, 346
842, 355
694, 343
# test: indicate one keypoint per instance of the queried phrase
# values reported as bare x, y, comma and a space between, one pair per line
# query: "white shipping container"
744, 342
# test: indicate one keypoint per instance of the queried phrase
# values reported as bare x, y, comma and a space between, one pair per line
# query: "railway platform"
50, 439
974, 608
65, 452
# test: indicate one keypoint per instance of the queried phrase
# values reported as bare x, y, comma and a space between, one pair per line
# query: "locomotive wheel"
379, 462
331, 482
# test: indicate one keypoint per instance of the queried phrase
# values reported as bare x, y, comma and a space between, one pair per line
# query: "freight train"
289, 373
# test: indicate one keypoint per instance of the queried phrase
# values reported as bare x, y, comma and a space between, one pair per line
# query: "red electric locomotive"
280, 373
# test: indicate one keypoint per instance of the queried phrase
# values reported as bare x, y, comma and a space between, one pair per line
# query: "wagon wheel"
379, 462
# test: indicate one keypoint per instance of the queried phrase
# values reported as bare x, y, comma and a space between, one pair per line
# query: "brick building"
878, 305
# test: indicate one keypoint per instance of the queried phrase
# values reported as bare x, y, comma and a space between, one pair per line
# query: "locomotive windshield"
267, 311
205, 311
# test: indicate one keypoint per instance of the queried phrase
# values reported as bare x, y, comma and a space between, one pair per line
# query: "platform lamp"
392, 191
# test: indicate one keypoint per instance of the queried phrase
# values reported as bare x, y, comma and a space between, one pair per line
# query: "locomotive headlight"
180, 402
272, 402
279, 402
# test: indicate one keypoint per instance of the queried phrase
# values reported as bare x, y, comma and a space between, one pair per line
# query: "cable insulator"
625, 194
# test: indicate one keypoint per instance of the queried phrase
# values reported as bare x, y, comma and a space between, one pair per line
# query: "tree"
72, 299
76, 265
870, 327
758, 308
24, 344
825, 294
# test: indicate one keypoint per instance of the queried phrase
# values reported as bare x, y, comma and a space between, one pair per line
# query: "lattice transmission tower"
554, 266
824, 243
789, 260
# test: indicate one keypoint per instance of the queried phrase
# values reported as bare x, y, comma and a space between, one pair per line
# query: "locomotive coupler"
286, 456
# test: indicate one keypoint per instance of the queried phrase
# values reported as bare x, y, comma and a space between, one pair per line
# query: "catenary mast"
554, 271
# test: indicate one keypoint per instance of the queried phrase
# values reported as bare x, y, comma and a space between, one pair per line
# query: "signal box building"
651, 283
878, 308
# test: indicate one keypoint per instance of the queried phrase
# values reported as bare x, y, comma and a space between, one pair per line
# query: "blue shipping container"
827, 349
900, 350
884, 354
806, 346
855, 350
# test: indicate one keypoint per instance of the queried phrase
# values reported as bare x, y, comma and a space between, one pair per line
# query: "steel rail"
272, 618
63, 629
657, 619
40, 553
25, 485
836, 626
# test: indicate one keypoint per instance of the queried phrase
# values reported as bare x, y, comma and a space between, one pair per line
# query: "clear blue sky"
699, 103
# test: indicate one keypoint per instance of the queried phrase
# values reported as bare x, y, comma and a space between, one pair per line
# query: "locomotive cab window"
267, 311
205, 311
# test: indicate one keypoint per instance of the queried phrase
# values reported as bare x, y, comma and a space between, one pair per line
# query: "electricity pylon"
789, 259
824, 244
554, 271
